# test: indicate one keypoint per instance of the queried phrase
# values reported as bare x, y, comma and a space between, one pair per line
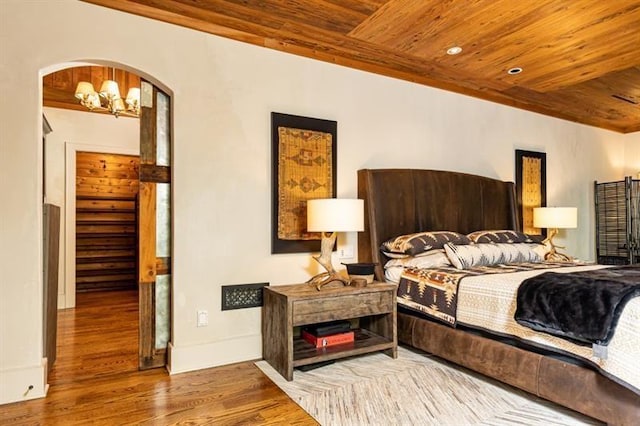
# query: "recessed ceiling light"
514, 71
454, 50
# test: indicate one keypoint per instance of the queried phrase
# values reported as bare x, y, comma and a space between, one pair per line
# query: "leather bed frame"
403, 201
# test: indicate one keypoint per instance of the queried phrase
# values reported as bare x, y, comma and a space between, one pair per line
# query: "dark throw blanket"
581, 306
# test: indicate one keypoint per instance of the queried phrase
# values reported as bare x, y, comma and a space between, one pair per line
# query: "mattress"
488, 303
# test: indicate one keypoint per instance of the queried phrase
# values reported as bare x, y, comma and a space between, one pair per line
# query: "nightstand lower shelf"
365, 341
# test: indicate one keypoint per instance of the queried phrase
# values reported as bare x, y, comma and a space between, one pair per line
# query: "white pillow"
468, 256
431, 259
393, 274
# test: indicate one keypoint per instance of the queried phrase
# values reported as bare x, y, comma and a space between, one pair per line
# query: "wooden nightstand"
289, 306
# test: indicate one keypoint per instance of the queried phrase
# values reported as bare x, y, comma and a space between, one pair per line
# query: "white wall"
78, 131
632, 155
223, 92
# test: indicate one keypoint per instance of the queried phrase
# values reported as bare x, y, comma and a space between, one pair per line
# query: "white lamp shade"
84, 89
335, 215
555, 217
133, 96
118, 104
110, 89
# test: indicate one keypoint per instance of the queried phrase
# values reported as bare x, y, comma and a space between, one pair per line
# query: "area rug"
414, 389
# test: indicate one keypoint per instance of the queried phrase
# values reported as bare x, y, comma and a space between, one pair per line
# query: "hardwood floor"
95, 380
98, 338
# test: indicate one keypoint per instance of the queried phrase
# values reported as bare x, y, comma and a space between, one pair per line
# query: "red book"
330, 340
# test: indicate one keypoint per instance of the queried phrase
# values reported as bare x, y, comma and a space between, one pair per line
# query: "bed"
405, 201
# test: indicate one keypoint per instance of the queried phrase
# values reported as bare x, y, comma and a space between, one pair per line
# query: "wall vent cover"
242, 296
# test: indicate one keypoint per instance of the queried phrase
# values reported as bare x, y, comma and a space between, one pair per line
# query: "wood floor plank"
95, 379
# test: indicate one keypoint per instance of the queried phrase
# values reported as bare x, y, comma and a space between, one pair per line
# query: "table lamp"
554, 218
330, 216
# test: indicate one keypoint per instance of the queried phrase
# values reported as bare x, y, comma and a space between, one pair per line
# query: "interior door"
154, 226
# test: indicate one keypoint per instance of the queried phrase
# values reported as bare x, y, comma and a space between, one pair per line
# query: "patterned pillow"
502, 236
420, 243
468, 256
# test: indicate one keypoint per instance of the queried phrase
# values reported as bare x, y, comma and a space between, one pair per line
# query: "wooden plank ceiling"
580, 58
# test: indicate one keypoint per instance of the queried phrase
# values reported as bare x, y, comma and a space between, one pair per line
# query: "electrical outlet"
203, 319
345, 252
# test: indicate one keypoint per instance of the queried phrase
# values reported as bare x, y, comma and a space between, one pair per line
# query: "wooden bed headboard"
404, 201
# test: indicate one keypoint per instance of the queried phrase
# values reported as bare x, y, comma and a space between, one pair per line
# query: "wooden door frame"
69, 267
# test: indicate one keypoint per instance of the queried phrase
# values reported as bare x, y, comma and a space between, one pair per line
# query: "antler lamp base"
324, 278
554, 255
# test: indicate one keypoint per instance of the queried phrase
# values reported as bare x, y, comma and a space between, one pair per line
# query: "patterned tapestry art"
305, 173
531, 196
531, 187
303, 168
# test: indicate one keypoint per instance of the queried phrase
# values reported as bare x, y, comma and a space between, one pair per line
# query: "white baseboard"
15, 383
196, 357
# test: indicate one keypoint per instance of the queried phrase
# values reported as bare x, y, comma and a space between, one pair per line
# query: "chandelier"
109, 99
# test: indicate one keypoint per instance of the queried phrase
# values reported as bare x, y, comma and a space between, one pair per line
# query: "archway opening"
98, 138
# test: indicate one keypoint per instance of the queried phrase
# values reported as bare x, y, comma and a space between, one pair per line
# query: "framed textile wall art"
531, 187
303, 156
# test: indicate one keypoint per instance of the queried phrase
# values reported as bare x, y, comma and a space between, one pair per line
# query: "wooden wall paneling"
105, 205
106, 229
